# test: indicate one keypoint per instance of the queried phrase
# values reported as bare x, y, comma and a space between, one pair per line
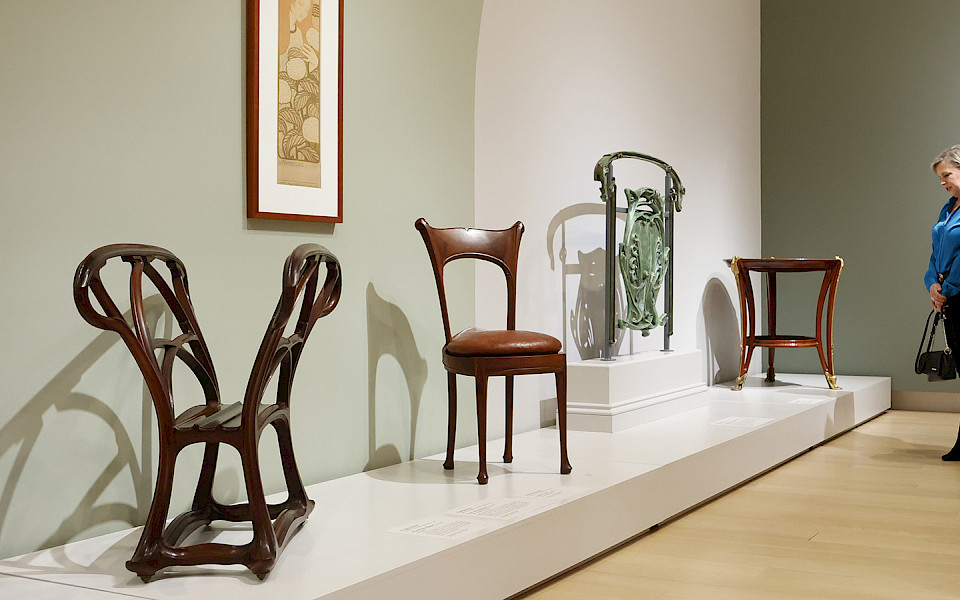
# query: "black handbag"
937, 365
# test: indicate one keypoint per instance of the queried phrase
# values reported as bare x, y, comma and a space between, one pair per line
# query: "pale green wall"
858, 97
122, 121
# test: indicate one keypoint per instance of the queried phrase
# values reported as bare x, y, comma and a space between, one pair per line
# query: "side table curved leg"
746, 353
832, 381
828, 292
742, 373
743, 289
835, 281
826, 362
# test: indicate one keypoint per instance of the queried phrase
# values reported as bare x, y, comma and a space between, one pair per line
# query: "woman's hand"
936, 298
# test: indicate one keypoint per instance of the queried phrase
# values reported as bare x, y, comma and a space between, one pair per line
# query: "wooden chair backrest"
498, 246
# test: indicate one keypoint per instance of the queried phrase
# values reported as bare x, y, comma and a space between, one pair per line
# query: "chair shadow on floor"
22, 434
426, 471
389, 334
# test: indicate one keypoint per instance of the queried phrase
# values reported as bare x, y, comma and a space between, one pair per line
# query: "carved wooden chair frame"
213, 423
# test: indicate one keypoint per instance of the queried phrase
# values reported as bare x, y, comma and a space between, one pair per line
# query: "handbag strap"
941, 277
946, 342
933, 332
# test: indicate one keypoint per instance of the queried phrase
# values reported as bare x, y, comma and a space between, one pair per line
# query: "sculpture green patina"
644, 256
643, 259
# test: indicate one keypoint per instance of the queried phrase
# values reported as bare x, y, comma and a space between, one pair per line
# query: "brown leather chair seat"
501, 342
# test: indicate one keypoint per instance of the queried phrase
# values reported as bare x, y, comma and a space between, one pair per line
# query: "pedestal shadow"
722, 332
584, 322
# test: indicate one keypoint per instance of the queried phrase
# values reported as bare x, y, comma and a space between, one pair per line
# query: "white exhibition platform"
414, 530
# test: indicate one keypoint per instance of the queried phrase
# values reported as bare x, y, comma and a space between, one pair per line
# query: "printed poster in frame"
295, 110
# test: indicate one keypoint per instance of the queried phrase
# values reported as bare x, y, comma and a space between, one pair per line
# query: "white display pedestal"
365, 541
613, 395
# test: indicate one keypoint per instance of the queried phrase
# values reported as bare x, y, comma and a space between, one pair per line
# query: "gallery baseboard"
928, 401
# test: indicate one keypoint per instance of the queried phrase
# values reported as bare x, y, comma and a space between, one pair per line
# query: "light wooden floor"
874, 513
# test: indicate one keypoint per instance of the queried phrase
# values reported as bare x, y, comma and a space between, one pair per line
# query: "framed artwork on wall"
294, 109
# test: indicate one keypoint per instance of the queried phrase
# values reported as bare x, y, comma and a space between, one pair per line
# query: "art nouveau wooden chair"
483, 353
213, 423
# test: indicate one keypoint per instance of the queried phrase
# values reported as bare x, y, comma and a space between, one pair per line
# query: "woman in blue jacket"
943, 274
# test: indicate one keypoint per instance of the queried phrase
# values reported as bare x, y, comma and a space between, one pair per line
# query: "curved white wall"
561, 83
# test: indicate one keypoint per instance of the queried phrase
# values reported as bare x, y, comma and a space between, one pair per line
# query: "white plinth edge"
622, 484
611, 396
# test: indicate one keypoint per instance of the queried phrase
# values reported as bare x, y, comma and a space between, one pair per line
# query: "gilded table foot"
832, 381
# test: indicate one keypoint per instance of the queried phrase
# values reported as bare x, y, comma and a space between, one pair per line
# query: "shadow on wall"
586, 319
389, 334
722, 332
23, 433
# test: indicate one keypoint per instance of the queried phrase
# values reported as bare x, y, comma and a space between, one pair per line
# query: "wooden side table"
831, 267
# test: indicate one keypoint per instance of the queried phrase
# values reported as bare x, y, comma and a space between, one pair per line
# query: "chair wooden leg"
291, 474
508, 438
298, 506
562, 420
203, 497
771, 373
451, 419
262, 553
482, 426
146, 558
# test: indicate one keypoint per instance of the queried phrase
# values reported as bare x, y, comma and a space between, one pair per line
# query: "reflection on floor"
414, 530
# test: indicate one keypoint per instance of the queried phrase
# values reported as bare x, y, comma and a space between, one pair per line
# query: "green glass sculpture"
643, 259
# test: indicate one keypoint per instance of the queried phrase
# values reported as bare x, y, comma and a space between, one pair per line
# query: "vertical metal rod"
610, 282
668, 293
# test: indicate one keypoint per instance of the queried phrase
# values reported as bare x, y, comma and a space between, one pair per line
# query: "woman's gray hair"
950, 155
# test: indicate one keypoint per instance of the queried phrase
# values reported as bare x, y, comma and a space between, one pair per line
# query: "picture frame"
294, 110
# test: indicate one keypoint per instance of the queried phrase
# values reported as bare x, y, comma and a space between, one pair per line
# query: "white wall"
561, 83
